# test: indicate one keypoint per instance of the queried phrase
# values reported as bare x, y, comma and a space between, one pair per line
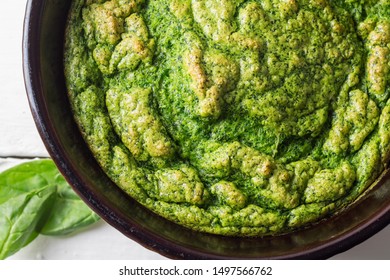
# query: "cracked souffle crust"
234, 117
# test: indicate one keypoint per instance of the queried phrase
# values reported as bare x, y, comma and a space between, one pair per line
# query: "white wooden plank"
18, 134
99, 242
6, 163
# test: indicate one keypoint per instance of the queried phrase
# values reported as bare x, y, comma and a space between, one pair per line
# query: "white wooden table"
20, 141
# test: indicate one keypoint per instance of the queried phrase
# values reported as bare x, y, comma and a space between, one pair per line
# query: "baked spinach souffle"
234, 117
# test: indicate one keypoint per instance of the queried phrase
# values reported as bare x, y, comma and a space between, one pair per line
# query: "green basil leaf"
69, 212
26, 177
21, 218
35, 198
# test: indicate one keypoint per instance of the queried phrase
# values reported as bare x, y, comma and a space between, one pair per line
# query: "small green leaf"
21, 219
26, 177
69, 212
35, 198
